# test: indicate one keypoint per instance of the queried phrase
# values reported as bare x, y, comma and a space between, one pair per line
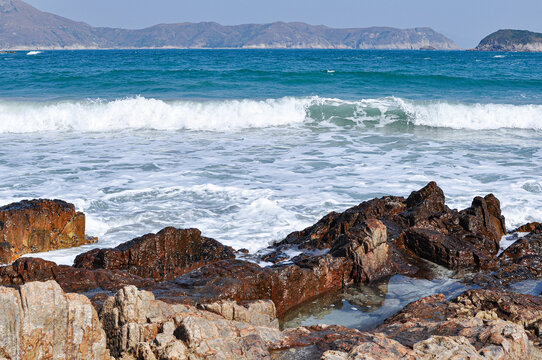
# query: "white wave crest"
233, 115
141, 113
33, 53
473, 116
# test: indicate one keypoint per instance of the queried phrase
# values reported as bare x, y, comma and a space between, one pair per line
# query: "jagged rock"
40, 321
496, 324
422, 223
40, 225
529, 227
520, 261
466, 239
138, 325
366, 245
162, 256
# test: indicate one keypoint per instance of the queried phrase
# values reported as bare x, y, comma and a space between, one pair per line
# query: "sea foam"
231, 115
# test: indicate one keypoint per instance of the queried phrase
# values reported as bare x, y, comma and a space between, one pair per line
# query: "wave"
33, 53
231, 115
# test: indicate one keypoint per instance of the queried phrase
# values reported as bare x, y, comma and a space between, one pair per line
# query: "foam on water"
232, 115
33, 53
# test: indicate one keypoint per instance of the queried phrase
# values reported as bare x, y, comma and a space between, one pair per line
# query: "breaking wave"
232, 115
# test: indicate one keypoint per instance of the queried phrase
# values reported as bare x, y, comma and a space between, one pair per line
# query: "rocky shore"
179, 295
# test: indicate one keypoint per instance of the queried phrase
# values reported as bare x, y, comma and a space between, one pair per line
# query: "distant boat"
33, 53
7, 52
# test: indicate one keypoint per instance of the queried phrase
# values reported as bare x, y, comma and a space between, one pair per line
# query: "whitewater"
250, 145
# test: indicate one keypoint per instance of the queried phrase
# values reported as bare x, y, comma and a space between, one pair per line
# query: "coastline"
183, 276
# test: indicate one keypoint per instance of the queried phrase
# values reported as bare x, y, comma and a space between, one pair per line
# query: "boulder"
40, 225
162, 256
422, 225
40, 321
138, 326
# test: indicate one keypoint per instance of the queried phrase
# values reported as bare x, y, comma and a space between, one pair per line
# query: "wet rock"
366, 245
40, 321
520, 261
466, 239
495, 323
422, 224
91, 282
286, 285
41, 225
324, 233
162, 256
527, 228
138, 326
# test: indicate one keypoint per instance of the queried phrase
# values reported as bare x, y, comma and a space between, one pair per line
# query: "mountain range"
24, 27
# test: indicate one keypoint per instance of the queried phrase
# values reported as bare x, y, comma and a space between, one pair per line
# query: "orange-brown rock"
40, 225
162, 256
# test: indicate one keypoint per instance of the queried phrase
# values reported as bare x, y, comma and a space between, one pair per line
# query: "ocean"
250, 145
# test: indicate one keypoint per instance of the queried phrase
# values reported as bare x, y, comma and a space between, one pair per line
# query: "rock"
162, 256
257, 313
138, 325
316, 341
466, 239
497, 324
527, 228
366, 244
41, 225
324, 233
286, 285
422, 224
40, 321
520, 261
5, 252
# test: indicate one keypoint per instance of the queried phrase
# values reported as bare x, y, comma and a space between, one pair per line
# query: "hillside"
512, 40
25, 27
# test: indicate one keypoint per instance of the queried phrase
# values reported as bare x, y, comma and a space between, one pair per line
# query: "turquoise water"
261, 74
249, 145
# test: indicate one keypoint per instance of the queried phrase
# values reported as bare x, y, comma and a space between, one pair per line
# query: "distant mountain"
25, 27
512, 40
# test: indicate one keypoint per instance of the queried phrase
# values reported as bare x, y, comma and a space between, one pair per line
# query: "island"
512, 40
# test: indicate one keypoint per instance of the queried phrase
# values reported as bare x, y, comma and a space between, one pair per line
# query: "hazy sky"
465, 21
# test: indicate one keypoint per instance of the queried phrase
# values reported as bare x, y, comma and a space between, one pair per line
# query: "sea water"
249, 145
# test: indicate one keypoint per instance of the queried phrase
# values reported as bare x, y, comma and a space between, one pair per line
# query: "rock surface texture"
181, 296
39, 226
162, 256
40, 321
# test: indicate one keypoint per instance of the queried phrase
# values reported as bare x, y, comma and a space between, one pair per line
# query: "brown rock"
41, 225
40, 321
366, 245
5, 252
162, 256
286, 285
520, 261
471, 314
466, 239
422, 223
527, 227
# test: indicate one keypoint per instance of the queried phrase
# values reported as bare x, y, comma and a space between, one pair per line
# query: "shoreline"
183, 272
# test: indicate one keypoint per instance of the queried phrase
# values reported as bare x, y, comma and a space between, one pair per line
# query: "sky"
464, 21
